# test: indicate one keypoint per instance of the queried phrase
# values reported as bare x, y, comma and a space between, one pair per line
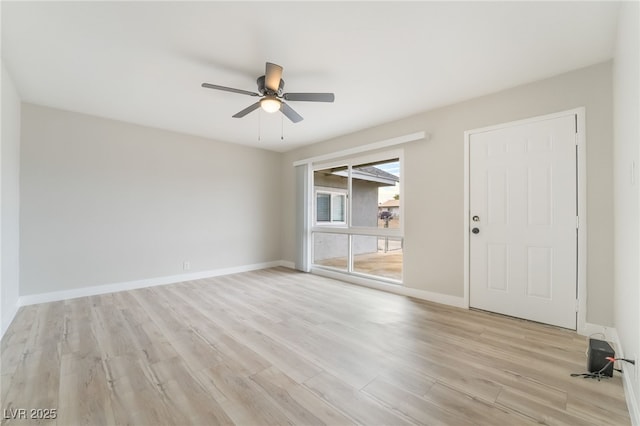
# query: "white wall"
10, 201
106, 202
434, 190
626, 95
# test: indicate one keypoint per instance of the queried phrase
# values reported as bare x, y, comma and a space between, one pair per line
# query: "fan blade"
247, 110
272, 76
310, 97
290, 113
229, 89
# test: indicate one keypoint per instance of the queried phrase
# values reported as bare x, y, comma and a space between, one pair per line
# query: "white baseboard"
55, 296
7, 318
443, 299
588, 329
629, 393
611, 335
632, 400
288, 264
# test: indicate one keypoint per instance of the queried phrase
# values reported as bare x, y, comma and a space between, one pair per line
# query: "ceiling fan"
270, 87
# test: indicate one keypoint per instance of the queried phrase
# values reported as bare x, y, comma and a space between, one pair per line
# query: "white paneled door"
523, 222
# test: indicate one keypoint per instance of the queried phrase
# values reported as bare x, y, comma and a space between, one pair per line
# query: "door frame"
581, 193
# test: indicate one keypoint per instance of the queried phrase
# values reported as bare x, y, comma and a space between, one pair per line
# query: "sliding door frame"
348, 228
307, 203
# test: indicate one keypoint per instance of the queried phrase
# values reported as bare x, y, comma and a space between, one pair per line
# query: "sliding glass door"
357, 223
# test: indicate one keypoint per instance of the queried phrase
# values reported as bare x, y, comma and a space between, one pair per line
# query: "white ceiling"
143, 62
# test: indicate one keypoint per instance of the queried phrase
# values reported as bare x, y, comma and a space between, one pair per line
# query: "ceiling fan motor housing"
264, 91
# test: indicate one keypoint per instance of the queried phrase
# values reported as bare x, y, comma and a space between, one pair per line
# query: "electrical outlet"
186, 265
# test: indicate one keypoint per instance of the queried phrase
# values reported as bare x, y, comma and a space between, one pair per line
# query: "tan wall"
627, 193
433, 173
10, 201
105, 202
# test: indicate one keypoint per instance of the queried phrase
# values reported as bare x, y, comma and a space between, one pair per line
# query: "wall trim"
364, 148
7, 317
443, 299
589, 329
55, 296
611, 336
632, 399
627, 384
287, 264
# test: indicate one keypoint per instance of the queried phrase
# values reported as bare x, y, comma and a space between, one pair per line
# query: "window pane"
338, 208
323, 203
376, 194
327, 184
331, 179
378, 256
331, 250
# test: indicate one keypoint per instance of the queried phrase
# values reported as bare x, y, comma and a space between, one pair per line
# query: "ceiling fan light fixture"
270, 104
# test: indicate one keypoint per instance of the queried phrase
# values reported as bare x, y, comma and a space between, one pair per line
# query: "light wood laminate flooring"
281, 347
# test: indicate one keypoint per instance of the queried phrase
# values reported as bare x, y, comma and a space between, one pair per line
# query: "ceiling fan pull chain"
259, 124
281, 127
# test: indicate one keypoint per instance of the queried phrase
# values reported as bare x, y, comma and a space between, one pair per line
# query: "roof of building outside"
374, 171
371, 174
390, 203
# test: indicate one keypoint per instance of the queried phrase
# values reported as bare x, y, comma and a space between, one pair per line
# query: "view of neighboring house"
392, 206
331, 207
